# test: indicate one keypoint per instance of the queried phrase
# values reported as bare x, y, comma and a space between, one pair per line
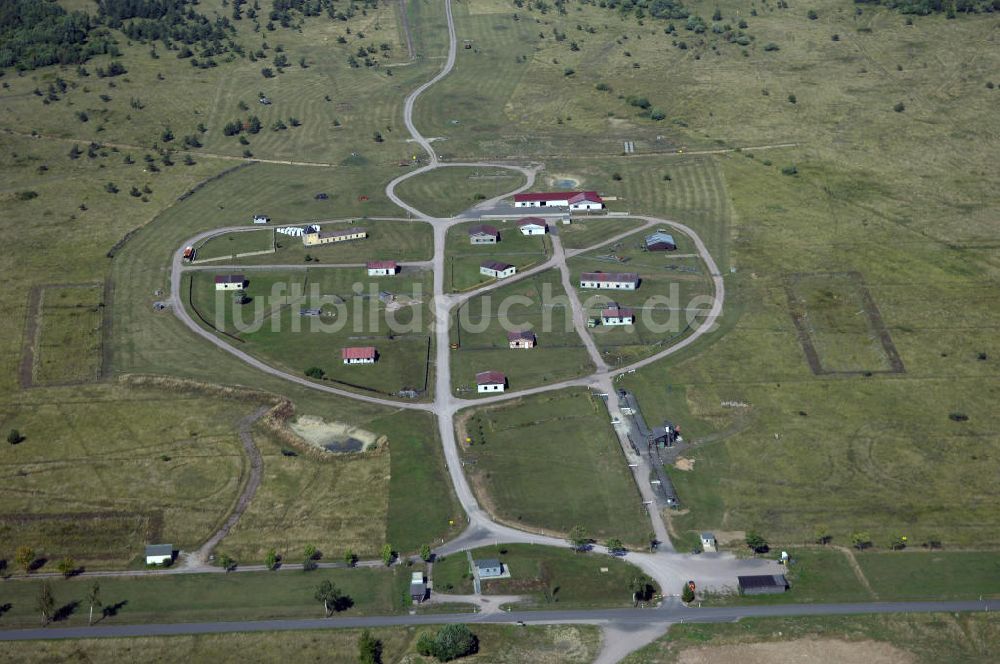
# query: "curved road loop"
667, 568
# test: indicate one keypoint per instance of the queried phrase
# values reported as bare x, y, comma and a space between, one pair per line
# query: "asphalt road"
674, 613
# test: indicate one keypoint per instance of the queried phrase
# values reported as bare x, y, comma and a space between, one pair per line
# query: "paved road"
668, 569
670, 614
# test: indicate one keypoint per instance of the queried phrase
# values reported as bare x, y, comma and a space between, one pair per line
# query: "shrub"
812, 15
315, 372
789, 170
14, 437
899, 107
657, 114
958, 417
792, 99
638, 102
450, 642
617, 177
604, 87
687, 595
26, 195
771, 46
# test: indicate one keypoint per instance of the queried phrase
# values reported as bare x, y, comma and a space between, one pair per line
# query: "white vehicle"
261, 219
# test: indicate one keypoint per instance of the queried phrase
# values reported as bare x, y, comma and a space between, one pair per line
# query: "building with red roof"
491, 381
382, 268
359, 355
574, 200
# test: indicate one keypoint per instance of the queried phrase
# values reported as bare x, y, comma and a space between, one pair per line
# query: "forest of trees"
924, 7
37, 33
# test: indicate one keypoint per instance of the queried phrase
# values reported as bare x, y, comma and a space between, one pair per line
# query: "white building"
708, 543
382, 268
158, 554
616, 316
574, 200
358, 355
261, 219
491, 381
586, 200
497, 270
532, 226
483, 234
230, 282
610, 280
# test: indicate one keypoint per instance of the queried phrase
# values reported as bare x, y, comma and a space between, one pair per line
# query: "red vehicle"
189, 253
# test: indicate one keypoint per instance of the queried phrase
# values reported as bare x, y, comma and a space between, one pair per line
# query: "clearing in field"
498, 644
463, 259
556, 444
793, 652
65, 335
445, 192
301, 319
333, 436
562, 578
237, 245
115, 469
674, 293
538, 304
839, 325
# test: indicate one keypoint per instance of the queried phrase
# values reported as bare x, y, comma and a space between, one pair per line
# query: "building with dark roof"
497, 270
491, 381
484, 234
610, 280
660, 241
763, 584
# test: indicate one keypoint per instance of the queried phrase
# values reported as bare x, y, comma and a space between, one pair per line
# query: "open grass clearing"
69, 336
387, 240
556, 444
550, 578
104, 470
208, 597
233, 245
447, 191
537, 303
498, 644
588, 231
276, 324
923, 638
463, 259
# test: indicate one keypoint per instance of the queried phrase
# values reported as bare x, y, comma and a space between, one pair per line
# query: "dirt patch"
803, 651
730, 536
683, 463
335, 436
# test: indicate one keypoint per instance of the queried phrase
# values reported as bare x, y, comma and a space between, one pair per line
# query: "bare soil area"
804, 651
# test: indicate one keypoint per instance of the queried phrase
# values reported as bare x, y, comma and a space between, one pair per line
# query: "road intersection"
668, 568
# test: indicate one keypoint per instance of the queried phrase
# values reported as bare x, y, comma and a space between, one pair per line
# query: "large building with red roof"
359, 355
574, 200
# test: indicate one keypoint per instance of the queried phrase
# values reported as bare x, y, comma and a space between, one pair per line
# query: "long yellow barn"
319, 237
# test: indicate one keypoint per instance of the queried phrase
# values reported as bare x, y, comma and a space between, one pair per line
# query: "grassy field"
387, 240
498, 644
583, 233
518, 461
547, 576
357, 502
447, 191
104, 470
68, 347
481, 333
272, 325
673, 288
207, 597
923, 638
462, 259
231, 245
